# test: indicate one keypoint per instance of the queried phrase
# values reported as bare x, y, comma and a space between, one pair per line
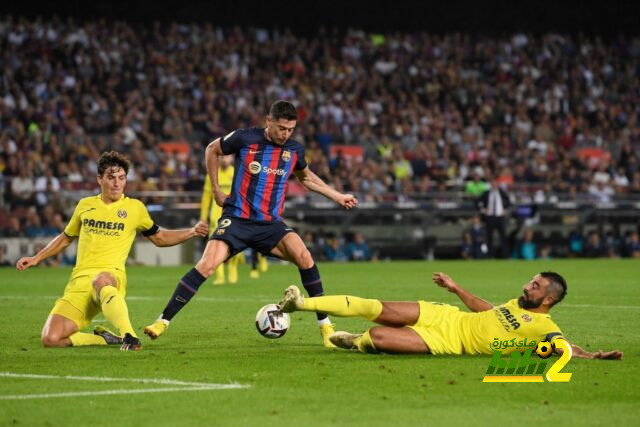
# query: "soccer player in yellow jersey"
105, 226
435, 328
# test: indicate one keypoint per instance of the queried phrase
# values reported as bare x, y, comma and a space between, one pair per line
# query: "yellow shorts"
438, 327
79, 302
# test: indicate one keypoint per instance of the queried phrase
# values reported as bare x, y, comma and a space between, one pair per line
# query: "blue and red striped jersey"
262, 170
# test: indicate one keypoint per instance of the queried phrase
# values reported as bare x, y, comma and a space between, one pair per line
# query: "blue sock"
313, 285
185, 290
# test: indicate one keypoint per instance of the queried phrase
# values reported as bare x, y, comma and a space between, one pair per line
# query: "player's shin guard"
185, 290
115, 309
313, 285
345, 306
365, 343
81, 338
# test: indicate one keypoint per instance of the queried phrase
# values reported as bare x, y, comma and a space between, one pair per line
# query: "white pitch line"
120, 391
163, 381
186, 386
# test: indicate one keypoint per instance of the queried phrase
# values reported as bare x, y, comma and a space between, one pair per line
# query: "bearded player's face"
534, 292
279, 131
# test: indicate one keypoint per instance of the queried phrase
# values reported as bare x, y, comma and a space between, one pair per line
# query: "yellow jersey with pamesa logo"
106, 231
506, 328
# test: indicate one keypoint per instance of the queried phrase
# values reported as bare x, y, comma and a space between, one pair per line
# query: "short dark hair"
283, 110
557, 285
110, 159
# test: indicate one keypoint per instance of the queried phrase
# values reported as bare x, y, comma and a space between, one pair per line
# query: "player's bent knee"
53, 340
104, 279
206, 267
304, 259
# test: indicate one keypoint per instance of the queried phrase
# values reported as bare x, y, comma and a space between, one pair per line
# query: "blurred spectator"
358, 249
46, 187
632, 245
595, 247
3, 261
22, 189
33, 226
576, 244
14, 229
312, 245
334, 250
494, 206
527, 247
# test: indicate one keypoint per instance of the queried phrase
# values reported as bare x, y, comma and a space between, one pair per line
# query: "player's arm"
474, 303
211, 154
313, 182
581, 353
55, 246
163, 237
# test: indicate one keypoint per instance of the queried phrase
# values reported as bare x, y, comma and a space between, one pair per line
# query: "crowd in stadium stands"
388, 117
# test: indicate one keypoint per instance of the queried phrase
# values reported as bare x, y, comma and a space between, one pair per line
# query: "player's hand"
347, 201
201, 229
219, 197
609, 355
445, 281
26, 262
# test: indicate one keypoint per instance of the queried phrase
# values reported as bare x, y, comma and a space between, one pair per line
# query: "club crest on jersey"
254, 167
122, 213
286, 155
526, 318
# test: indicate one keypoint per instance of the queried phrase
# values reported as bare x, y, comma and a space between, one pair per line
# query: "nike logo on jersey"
109, 300
348, 303
254, 151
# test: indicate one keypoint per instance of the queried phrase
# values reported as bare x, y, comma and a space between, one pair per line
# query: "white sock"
324, 321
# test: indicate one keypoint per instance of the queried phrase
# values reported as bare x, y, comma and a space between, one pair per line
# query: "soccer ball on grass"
271, 323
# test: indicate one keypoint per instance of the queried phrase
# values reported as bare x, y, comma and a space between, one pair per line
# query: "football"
271, 323
544, 349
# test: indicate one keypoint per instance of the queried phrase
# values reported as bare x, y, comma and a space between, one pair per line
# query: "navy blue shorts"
240, 234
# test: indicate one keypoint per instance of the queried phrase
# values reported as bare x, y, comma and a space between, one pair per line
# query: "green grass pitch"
294, 380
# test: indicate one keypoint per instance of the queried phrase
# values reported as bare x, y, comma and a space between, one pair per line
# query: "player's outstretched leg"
336, 305
215, 252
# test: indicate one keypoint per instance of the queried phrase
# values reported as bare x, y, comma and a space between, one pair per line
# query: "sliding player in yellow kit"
210, 212
105, 226
435, 328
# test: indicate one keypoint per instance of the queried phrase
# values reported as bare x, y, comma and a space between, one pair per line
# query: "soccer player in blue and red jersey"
251, 217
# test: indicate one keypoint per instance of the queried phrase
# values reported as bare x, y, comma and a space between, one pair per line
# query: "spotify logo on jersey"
254, 167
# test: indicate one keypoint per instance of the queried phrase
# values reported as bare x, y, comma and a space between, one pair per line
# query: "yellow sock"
365, 343
220, 273
263, 265
233, 268
115, 309
344, 306
82, 338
